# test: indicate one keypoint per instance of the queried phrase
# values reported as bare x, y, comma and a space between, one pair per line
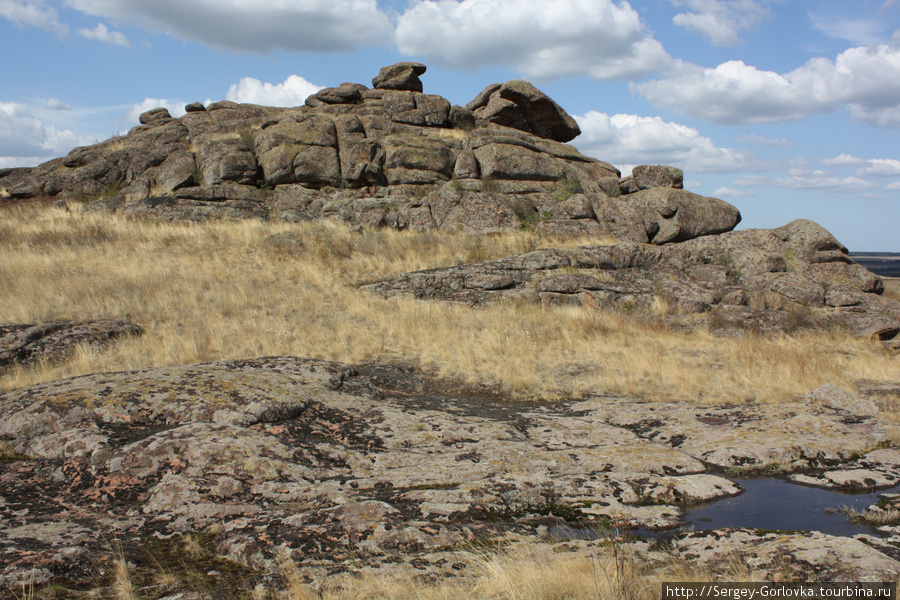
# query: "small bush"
566, 188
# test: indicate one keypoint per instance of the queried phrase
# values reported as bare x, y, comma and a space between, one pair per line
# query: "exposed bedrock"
320, 458
792, 277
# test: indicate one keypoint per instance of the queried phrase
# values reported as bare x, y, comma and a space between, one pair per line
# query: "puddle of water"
775, 504
779, 504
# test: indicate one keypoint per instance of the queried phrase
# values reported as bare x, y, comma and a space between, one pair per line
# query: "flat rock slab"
785, 437
336, 463
790, 556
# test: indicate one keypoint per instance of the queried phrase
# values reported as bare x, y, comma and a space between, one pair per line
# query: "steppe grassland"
227, 290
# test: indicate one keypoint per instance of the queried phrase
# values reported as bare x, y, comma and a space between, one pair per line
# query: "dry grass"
892, 287
874, 518
533, 572
230, 290
526, 571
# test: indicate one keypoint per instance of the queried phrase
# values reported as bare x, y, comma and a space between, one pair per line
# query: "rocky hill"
393, 156
386, 156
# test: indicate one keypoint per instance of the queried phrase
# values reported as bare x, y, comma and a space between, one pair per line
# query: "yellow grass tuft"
228, 290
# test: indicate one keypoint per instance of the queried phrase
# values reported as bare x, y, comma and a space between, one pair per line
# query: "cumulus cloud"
867, 79
880, 167
720, 21
249, 25
539, 38
844, 160
176, 109
866, 167
631, 139
893, 187
35, 13
292, 92
888, 116
26, 140
103, 34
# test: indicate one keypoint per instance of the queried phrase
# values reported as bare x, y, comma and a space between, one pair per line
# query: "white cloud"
102, 34
892, 187
720, 21
865, 79
176, 109
57, 104
538, 38
630, 139
292, 92
820, 180
888, 116
250, 25
844, 160
752, 180
806, 179
727, 192
35, 13
880, 167
859, 30
25, 139
764, 141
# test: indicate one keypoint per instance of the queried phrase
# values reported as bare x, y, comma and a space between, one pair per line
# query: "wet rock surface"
793, 277
365, 468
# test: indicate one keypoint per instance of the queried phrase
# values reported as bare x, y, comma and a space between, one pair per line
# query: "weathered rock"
51, 342
672, 215
400, 76
318, 458
788, 556
348, 139
154, 115
195, 107
520, 105
763, 280
346, 93
648, 176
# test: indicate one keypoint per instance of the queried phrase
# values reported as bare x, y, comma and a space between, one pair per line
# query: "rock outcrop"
386, 156
22, 344
359, 468
793, 277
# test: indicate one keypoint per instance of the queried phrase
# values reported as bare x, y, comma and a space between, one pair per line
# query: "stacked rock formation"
389, 155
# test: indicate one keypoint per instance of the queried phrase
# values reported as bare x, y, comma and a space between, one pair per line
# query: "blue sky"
785, 108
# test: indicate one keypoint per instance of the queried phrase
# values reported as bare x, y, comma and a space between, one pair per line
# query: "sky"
785, 108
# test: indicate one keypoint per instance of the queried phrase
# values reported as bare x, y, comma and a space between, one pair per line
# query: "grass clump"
877, 517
